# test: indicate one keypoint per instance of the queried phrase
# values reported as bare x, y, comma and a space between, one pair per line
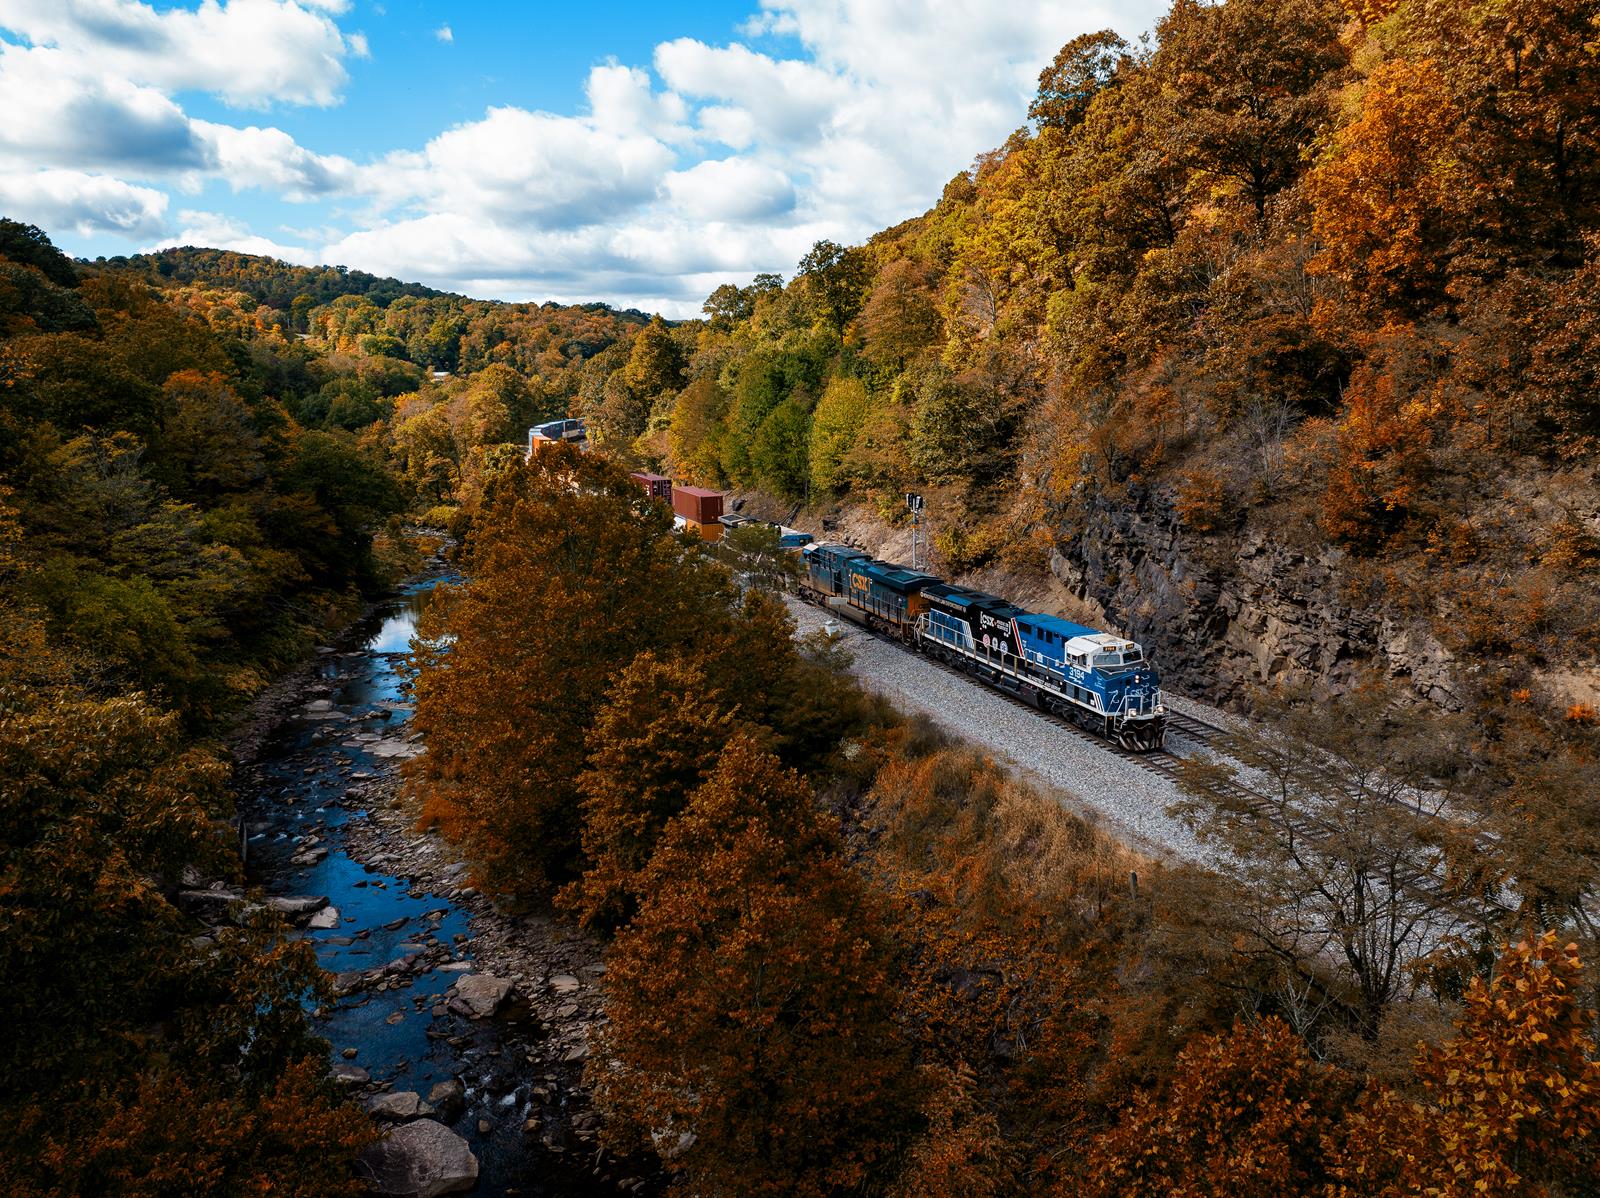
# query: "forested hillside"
271, 282
170, 539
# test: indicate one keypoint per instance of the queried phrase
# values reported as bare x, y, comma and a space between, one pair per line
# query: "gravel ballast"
1129, 800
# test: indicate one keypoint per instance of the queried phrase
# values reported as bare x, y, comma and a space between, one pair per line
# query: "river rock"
563, 983
400, 1107
297, 906
482, 993
393, 748
324, 919
449, 1099
347, 1074
418, 1160
209, 906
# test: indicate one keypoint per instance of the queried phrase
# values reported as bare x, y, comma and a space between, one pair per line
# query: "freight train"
1099, 681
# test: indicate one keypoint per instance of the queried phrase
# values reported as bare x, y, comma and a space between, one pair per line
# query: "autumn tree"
654, 740
209, 442
900, 318
1558, 388
1249, 86
1510, 1105
1085, 65
751, 1033
1243, 1116
572, 572
1526, 82
1387, 195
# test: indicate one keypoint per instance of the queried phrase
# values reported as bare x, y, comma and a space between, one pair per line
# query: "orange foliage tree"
1243, 1117
202, 1138
655, 739
1510, 1106
572, 571
1385, 194
1394, 408
752, 1033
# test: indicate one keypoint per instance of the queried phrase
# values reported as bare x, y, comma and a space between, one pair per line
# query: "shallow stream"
305, 792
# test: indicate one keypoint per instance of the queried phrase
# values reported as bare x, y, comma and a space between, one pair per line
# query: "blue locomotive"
1099, 681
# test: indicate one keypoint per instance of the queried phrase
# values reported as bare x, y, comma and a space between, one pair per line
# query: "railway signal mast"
914, 506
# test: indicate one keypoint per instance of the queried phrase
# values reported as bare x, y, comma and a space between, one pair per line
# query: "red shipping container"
656, 486
696, 504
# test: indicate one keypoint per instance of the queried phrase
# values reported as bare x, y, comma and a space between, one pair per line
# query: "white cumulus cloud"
709, 162
248, 52
88, 205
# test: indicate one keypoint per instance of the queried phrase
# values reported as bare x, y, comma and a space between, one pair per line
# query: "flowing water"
306, 789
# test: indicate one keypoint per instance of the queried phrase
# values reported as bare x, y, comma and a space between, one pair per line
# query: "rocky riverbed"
463, 1031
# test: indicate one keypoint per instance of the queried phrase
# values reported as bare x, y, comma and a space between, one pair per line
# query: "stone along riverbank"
461, 1030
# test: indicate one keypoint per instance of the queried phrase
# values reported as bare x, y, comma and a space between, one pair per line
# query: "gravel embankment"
1128, 800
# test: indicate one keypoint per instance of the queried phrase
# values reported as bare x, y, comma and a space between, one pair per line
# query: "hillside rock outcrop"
1222, 611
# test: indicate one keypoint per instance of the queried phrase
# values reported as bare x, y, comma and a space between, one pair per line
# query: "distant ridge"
276, 283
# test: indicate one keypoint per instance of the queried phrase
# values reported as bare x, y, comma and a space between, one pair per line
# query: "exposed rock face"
214, 906
1220, 611
418, 1160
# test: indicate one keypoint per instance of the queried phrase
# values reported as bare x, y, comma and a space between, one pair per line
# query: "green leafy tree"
834, 279
780, 451
835, 425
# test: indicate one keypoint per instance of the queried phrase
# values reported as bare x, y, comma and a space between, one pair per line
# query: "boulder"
563, 983
324, 919
210, 906
482, 993
418, 1160
297, 906
400, 1107
347, 1074
449, 1099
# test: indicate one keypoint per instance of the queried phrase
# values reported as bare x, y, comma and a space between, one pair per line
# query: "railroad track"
1481, 910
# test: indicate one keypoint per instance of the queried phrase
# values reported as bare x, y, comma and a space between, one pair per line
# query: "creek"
308, 790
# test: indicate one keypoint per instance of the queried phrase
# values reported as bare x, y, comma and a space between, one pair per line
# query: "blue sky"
637, 153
